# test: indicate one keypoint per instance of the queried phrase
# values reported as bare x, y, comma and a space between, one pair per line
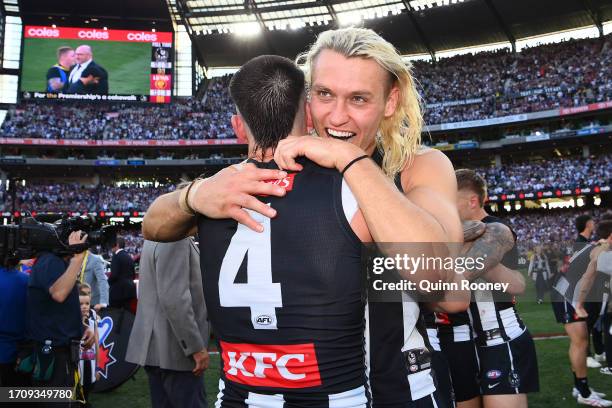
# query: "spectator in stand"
561, 173
499, 83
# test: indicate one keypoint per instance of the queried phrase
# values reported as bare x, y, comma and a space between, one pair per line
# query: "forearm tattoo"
491, 247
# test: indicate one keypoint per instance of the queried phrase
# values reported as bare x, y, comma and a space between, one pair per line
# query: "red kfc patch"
286, 183
267, 365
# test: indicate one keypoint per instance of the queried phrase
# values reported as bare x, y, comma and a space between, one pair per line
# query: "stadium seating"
460, 88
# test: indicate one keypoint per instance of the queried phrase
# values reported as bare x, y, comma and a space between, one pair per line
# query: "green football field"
555, 375
128, 63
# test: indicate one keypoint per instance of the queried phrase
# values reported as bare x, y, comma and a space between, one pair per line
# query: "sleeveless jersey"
287, 305
453, 327
493, 316
397, 348
569, 284
57, 71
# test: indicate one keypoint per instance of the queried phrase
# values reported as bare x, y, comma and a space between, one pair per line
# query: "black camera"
32, 236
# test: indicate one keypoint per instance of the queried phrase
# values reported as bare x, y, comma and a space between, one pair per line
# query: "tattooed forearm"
491, 247
473, 230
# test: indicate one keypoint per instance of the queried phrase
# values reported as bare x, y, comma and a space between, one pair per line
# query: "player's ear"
474, 202
392, 101
239, 129
309, 125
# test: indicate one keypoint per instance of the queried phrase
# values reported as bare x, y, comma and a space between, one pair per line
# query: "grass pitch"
128, 63
556, 379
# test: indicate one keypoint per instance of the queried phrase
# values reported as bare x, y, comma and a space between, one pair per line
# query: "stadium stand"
460, 88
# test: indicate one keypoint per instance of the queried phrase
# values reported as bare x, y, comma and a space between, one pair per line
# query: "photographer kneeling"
54, 321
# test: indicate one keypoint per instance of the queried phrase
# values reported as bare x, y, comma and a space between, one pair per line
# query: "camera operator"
54, 317
13, 287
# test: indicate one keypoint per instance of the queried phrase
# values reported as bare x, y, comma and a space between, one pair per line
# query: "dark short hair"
120, 242
604, 229
63, 50
470, 180
267, 92
581, 222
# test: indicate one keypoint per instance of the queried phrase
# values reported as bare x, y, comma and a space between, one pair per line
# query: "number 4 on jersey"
259, 294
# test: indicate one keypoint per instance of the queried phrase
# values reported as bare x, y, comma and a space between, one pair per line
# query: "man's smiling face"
350, 97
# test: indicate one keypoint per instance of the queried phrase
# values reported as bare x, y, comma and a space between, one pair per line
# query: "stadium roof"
136, 14
229, 32
226, 35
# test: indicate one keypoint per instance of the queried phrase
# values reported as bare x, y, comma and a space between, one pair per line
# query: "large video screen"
93, 64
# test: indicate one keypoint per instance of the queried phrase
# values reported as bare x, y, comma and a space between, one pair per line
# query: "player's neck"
262, 156
480, 215
585, 235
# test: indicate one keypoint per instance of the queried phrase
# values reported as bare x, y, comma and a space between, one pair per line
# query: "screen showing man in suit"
96, 64
87, 76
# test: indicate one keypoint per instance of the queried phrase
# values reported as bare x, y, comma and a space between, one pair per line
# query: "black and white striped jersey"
569, 284
453, 327
398, 351
287, 305
493, 315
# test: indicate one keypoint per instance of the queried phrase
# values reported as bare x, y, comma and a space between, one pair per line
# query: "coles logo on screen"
43, 32
96, 34
93, 34
266, 365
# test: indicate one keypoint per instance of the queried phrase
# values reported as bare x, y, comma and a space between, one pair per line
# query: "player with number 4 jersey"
287, 303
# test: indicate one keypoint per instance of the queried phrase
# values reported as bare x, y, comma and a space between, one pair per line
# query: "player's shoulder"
597, 250
428, 167
426, 156
310, 167
53, 72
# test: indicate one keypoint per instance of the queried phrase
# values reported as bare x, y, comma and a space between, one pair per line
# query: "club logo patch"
514, 379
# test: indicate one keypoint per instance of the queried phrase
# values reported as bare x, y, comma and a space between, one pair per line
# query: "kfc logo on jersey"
276, 366
286, 183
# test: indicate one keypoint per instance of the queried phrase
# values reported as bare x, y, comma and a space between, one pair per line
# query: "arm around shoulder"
164, 220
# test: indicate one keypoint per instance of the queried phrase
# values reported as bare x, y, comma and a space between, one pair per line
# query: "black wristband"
191, 210
355, 160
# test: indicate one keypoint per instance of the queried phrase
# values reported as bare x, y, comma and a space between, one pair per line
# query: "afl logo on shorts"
493, 374
264, 320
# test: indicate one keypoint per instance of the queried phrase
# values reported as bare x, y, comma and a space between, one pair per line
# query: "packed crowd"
550, 76
80, 198
183, 119
567, 74
548, 229
529, 176
562, 173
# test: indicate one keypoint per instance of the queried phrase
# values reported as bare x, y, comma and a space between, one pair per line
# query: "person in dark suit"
87, 77
121, 280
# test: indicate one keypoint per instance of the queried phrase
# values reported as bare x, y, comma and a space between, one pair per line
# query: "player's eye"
324, 93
